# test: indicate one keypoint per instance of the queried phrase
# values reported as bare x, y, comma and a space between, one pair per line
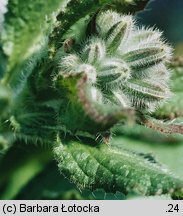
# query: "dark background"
167, 15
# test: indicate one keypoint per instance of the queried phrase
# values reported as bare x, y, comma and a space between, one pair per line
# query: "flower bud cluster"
124, 62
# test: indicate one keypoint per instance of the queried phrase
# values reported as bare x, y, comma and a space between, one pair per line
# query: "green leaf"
25, 25
113, 169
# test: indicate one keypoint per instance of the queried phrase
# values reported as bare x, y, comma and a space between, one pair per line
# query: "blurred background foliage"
28, 171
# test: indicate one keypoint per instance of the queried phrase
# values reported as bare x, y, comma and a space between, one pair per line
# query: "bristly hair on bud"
114, 28
126, 63
94, 51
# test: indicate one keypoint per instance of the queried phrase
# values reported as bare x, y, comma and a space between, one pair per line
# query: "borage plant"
89, 67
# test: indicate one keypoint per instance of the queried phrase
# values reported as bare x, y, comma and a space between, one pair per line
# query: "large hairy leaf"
113, 169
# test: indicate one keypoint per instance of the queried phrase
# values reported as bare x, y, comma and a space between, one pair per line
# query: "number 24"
173, 208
